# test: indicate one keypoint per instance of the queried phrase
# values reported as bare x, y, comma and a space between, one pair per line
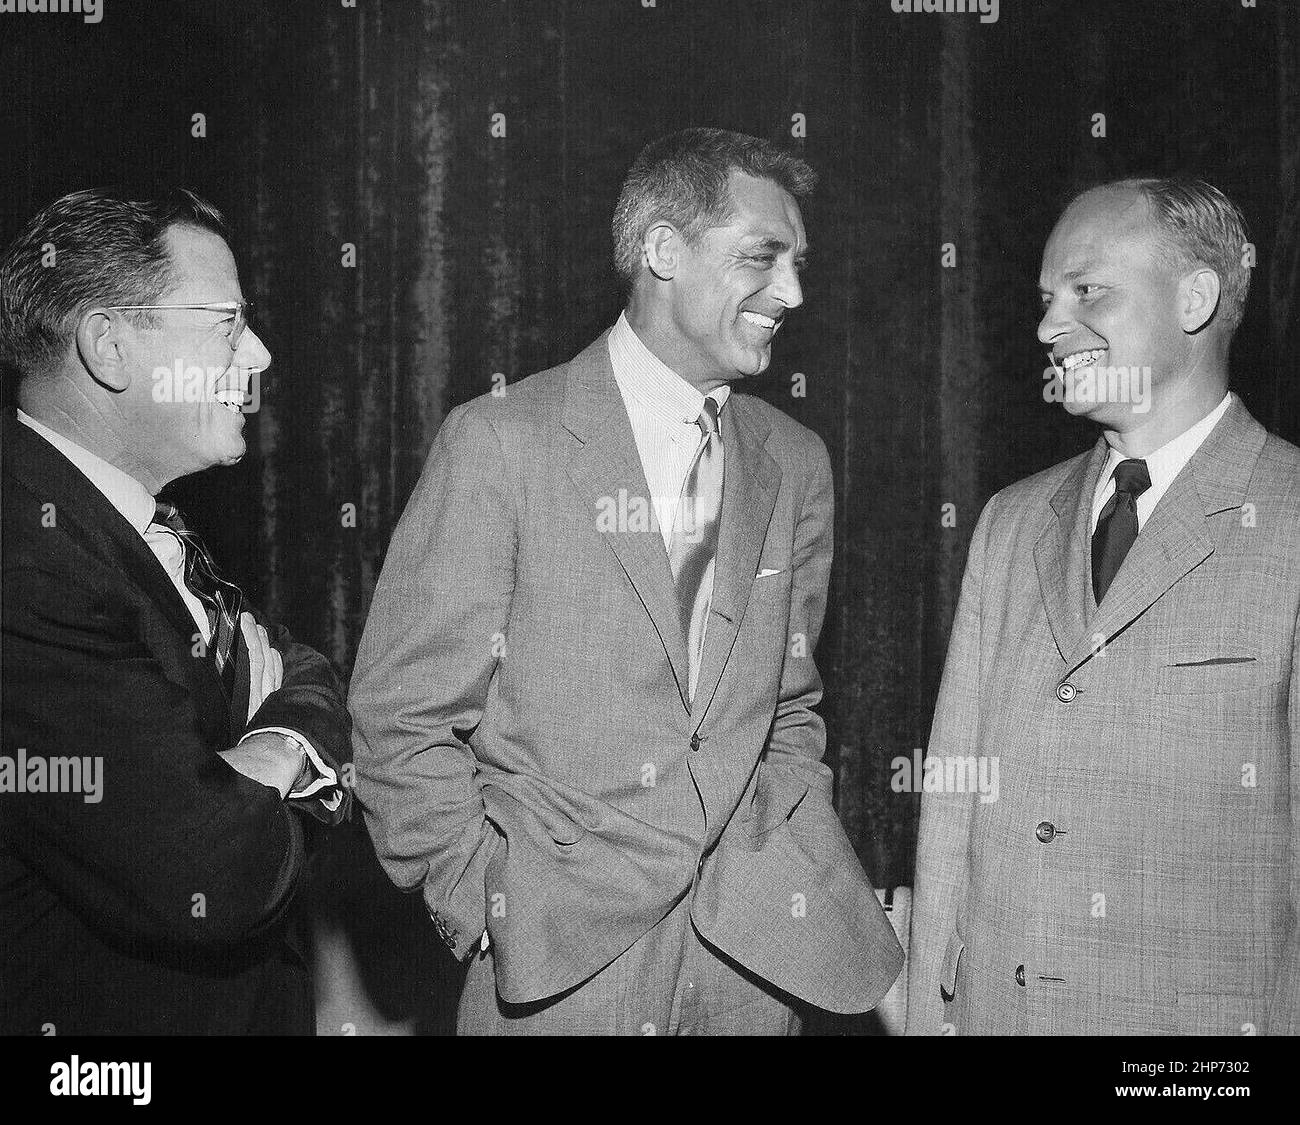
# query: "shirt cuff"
325, 777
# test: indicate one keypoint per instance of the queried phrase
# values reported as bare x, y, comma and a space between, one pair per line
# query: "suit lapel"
1172, 543
750, 482
45, 471
607, 463
1063, 555
1176, 538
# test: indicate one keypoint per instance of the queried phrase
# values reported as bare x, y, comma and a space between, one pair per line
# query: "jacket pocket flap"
1217, 674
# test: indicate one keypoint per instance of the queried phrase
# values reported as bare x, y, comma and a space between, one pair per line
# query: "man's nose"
252, 353
787, 289
1054, 324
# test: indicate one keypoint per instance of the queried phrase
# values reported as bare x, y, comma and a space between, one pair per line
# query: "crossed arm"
174, 821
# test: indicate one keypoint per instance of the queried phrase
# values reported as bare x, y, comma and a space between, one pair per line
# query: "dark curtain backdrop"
477, 254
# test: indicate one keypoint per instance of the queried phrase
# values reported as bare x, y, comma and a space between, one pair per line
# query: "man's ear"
100, 350
661, 247
1198, 297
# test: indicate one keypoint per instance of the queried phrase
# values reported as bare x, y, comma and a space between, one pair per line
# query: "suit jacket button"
1020, 975
695, 742
1066, 692
1046, 832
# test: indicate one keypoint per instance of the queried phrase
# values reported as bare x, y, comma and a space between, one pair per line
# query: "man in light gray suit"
1126, 646
585, 695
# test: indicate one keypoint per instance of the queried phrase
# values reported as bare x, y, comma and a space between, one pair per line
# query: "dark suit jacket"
164, 907
1138, 872
526, 753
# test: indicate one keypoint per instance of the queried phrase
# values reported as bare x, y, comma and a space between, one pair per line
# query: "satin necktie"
1117, 525
695, 536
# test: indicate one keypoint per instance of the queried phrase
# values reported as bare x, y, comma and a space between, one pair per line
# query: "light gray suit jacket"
1138, 870
525, 750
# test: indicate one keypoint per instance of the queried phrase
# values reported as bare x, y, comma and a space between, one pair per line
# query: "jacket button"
695, 742
1066, 692
1046, 832
1020, 975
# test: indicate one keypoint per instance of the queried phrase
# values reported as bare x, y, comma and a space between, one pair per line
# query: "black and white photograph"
598, 518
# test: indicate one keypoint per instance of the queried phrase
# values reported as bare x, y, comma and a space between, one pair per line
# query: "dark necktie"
1117, 525
695, 536
222, 600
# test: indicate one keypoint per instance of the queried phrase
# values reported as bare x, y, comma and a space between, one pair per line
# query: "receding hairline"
1146, 224
1119, 189
201, 233
1177, 254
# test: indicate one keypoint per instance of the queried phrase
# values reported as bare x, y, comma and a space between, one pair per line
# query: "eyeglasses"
238, 311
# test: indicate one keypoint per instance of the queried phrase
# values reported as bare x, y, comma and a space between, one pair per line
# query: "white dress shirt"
663, 408
138, 508
1163, 466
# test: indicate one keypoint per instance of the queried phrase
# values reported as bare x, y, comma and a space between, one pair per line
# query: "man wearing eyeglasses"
167, 750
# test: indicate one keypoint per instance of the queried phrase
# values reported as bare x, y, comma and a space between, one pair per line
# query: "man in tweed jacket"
1126, 646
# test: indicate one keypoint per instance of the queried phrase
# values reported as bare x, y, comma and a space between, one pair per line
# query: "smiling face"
1111, 300
181, 433
729, 293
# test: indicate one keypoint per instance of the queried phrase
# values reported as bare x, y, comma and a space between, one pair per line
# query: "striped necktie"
222, 600
695, 536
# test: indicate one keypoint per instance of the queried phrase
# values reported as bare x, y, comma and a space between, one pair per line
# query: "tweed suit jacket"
1138, 872
526, 751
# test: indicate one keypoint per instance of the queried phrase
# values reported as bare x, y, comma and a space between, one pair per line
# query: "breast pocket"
771, 583
1205, 675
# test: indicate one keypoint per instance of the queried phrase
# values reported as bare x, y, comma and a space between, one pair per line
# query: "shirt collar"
122, 490
652, 383
1165, 463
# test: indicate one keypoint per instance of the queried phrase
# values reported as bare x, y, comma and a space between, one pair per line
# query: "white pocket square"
767, 573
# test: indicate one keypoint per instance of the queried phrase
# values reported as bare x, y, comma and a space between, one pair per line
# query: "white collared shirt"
138, 508
663, 408
1163, 466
